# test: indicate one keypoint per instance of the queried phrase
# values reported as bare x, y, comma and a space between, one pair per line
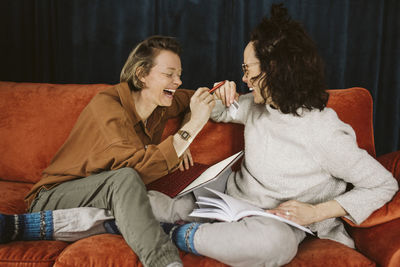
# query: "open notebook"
193, 180
223, 207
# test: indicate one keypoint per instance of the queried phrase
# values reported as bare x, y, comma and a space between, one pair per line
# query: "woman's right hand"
201, 105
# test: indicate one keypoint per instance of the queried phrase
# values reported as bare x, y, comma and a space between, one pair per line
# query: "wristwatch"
185, 135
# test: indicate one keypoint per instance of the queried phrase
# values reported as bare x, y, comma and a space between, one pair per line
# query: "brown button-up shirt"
109, 134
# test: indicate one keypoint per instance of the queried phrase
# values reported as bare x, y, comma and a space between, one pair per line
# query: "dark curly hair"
141, 59
292, 72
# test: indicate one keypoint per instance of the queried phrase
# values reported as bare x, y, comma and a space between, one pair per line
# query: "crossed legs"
124, 195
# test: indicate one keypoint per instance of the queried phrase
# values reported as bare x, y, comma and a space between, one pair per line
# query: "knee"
275, 242
168, 209
127, 178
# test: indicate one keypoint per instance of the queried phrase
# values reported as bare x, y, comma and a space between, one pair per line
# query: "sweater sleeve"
340, 156
220, 113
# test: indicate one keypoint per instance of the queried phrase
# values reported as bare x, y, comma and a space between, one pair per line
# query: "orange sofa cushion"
35, 120
12, 197
33, 253
381, 243
354, 106
314, 252
96, 251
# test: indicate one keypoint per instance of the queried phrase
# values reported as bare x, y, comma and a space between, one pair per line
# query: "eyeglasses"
245, 67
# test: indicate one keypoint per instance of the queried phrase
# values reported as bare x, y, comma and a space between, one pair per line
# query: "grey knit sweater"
309, 158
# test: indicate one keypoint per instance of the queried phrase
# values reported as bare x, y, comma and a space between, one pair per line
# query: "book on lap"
222, 207
179, 183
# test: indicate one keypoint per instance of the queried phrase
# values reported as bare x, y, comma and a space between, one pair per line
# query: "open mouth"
251, 89
169, 92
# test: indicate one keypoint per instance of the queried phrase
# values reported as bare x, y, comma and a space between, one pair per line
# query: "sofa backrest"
217, 141
354, 106
36, 118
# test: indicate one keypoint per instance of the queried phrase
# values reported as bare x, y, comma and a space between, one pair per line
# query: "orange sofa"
35, 119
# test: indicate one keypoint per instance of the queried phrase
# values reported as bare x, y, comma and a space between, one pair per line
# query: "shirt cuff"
354, 213
168, 151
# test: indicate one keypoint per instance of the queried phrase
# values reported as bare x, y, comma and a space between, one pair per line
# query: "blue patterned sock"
111, 227
182, 235
29, 226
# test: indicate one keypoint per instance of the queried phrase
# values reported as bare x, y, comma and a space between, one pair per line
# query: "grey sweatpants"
120, 194
252, 241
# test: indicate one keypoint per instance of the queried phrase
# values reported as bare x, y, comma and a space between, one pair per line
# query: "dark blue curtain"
88, 41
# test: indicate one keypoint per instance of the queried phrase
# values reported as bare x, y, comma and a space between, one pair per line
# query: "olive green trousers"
124, 195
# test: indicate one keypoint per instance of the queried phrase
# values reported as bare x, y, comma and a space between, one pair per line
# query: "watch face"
185, 135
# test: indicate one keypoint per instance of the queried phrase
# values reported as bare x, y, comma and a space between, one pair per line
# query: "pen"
216, 87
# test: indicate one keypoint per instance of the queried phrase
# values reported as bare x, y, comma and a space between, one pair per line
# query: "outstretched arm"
305, 214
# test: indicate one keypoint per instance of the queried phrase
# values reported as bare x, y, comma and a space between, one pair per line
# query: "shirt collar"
128, 104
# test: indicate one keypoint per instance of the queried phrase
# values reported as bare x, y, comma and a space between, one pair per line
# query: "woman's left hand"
227, 93
298, 212
187, 160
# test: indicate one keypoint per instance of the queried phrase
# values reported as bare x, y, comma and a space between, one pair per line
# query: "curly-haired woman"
299, 157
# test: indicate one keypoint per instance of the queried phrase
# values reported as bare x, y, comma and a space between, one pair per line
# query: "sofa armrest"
380, 243
391, 161
390, 210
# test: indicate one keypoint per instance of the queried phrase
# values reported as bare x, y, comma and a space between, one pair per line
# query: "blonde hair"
141, 59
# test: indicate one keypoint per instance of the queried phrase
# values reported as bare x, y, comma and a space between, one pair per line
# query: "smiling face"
251, 70
163, 79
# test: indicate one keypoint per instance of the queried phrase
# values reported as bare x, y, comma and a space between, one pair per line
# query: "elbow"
392, 187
